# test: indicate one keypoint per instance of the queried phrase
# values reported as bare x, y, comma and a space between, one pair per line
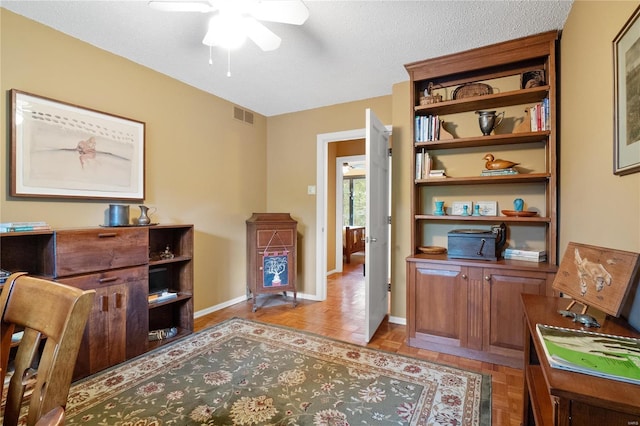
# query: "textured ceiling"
346, 51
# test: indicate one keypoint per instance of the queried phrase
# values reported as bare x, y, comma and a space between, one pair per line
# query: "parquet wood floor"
341, 317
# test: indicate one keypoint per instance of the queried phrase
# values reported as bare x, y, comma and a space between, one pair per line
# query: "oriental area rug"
242, 372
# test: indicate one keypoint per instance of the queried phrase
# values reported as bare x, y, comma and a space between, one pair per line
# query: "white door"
377, 224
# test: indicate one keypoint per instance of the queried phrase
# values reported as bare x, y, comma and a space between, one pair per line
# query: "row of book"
423, 166
525, 255
24, 226
427, 128
539, 116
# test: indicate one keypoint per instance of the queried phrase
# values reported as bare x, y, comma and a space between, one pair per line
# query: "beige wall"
202, 167
596, 207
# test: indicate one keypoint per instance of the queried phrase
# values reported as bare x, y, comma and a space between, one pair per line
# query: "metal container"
118, 215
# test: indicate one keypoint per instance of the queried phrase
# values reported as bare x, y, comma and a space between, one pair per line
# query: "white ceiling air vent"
243, 115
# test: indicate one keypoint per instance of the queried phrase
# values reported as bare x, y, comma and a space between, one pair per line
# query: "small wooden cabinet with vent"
271, 255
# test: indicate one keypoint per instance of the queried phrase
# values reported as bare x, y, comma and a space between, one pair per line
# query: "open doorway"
350, 208
326, 233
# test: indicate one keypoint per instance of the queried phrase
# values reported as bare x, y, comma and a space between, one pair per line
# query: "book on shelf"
160, 297
438, 173
423, 164
24, 226
525, 258
13, 224
427, 128
588, 352
25, 229
525, 253
539, 116
500, 172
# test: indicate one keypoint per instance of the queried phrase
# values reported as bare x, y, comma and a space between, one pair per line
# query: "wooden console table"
557, 397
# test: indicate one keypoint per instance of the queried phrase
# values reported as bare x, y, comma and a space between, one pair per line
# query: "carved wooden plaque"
597, 276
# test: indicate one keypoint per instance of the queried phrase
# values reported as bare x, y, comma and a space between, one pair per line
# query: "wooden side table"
271, 255
558, 397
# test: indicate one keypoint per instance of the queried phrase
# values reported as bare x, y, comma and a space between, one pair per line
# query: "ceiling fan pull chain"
228, 62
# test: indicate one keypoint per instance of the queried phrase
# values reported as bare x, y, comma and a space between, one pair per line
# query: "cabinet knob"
464, 276
487, 277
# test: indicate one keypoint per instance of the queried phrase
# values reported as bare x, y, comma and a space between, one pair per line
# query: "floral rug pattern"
242, 372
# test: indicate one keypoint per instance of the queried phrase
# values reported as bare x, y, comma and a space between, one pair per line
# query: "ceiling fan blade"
285, 11
182, 6
261, 35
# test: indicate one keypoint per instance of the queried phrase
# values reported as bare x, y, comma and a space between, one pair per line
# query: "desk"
557, 397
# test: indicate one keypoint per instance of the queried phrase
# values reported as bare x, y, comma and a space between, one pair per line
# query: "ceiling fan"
235, 20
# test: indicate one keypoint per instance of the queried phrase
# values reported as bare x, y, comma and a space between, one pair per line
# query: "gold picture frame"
597, 276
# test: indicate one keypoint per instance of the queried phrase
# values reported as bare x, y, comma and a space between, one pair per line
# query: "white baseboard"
397, 320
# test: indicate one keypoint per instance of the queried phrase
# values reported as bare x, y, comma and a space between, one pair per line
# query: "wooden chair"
53, 317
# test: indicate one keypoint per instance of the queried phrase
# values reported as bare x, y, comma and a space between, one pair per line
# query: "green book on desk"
587, 352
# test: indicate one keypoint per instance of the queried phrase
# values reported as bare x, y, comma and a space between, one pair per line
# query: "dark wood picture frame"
626, 77
61, 150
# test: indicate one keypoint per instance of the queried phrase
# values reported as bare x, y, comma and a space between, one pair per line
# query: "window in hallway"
354, 200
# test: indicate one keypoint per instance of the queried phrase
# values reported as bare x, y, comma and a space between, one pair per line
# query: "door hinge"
389, 152
388, 220
388, 286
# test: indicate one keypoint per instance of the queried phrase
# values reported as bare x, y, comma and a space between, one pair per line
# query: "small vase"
439, 208
144, 218
465, 210
518, 204
488, 120
476, 210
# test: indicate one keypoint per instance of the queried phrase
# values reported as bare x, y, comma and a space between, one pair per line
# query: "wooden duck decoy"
497, 164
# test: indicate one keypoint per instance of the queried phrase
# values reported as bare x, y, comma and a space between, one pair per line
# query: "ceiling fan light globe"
226, 31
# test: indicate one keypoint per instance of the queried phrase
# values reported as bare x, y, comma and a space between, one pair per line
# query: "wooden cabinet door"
438, 303
503, 314
104, 340
137, 317
118, 323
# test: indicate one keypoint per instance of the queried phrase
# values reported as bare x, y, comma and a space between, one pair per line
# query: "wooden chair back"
53, 317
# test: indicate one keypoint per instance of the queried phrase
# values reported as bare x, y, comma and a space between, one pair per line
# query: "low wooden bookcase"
114, 261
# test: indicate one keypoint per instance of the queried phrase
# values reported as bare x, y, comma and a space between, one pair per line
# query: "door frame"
322, 165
